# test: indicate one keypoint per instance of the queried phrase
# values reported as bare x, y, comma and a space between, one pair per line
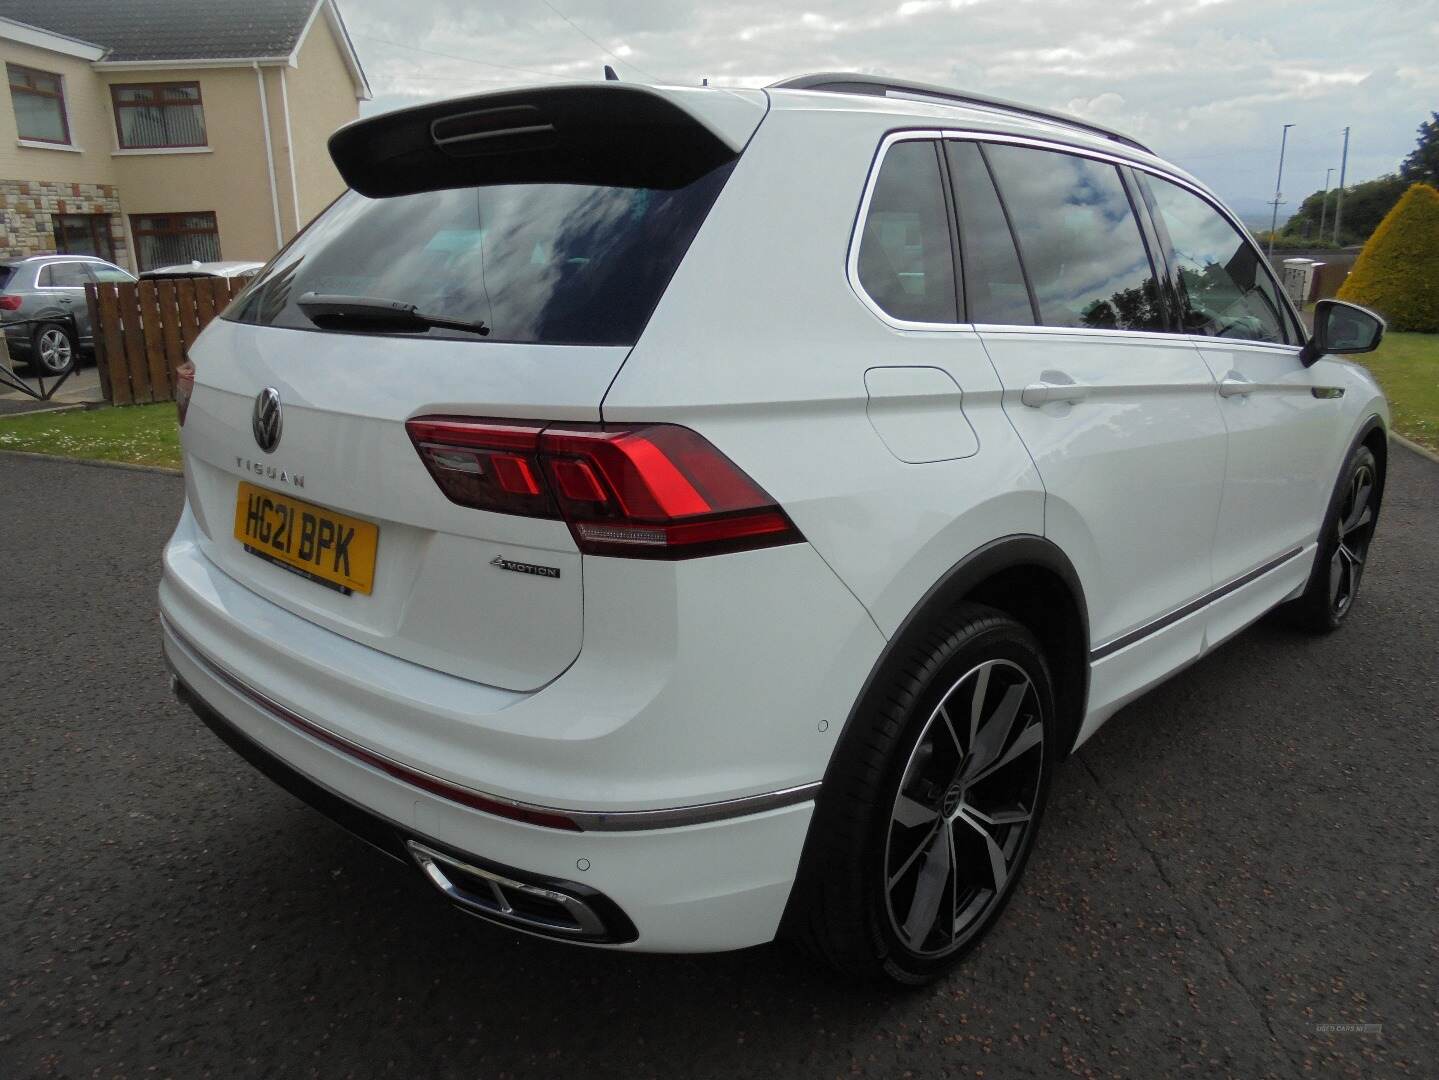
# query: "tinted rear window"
562, 264
1079, 239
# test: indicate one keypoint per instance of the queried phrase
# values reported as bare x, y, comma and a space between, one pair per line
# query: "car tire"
924, 808
1344, 541
53, 350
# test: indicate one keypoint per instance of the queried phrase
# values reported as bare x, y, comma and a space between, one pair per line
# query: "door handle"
1235, 385
1038, 394
67, 299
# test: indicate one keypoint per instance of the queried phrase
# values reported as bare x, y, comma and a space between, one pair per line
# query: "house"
159, 131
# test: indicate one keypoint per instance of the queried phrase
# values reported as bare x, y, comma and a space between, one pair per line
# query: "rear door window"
549, 263
64, 276
1224, 288
1079, 240
994, 287
906, 255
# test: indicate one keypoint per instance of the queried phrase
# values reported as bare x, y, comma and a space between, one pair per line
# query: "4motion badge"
525, 567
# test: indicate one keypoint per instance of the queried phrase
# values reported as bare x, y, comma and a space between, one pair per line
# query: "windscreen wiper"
327, 310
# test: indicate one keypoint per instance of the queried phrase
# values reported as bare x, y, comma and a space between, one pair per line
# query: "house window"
39, 99
84, 234
155, 115
166, 239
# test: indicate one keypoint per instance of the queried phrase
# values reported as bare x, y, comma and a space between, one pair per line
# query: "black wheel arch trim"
1005, 553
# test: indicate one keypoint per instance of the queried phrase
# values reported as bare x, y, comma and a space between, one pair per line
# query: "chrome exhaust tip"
550, 909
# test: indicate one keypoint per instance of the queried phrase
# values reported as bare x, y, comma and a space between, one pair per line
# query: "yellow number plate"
328, 548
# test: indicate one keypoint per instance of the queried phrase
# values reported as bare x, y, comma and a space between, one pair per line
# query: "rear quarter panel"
761, 344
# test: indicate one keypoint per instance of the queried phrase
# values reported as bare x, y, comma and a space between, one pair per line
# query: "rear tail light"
184, 389
11, 302
653, 492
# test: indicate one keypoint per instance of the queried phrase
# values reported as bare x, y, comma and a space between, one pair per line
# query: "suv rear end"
569, 668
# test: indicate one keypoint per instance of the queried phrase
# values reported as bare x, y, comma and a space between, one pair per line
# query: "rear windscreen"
561, 264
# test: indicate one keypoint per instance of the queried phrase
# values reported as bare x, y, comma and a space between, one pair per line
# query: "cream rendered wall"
322, 98
90, 123
228, 176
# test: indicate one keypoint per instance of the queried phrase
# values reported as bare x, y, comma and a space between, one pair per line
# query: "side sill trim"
583, 820
1113, 645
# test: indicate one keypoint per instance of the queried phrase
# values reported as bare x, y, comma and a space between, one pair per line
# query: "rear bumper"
562, 909
690, 786
18, 339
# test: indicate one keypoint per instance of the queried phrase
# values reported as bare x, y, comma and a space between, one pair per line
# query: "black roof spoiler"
601, 133
880, 86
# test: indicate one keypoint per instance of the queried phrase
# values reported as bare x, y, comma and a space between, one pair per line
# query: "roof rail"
833, 82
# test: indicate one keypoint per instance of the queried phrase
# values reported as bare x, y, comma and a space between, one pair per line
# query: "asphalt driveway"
1238, 860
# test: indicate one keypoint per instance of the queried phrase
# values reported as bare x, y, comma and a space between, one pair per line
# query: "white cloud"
1206, 82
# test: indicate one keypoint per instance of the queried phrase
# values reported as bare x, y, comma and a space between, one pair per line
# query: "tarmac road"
1239, 858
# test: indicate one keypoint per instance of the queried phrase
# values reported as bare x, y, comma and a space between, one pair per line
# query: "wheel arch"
1029, 578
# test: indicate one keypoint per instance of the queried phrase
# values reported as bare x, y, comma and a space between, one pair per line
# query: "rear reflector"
184, 389
654, 492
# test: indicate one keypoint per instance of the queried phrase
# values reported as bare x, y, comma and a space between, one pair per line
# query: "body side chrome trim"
1130, 637
583, 820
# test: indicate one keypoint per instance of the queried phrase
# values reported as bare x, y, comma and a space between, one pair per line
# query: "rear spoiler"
607, 133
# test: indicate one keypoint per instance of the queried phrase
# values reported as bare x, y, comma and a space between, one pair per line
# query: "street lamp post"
1339, 199
1279, 181
1324, 204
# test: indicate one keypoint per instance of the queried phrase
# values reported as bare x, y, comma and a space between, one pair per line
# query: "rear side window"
1224, 289
1079, 240
64, 276
551, 263
906, 257
994, 285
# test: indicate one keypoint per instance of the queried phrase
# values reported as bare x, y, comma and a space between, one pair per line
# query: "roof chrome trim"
586, 820
833, 82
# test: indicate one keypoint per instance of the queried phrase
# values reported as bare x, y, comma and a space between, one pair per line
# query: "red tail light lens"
184, 389
657, 492
11, 303
492, 466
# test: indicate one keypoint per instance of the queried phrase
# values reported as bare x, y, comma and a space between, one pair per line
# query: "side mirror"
1340, 327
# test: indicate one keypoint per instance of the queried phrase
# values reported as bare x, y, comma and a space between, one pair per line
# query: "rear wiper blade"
337, 310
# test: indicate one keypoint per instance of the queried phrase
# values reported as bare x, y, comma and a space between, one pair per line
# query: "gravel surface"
1244, 856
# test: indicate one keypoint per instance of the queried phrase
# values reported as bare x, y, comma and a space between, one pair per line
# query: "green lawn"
1407, 366
142, 434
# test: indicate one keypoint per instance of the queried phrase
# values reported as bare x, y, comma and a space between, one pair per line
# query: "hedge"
1397, 273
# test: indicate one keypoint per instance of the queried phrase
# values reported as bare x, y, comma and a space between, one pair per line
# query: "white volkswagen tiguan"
671, 518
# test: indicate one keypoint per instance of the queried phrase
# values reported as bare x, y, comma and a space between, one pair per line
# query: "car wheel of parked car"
931, 810
1343, 545
54, 350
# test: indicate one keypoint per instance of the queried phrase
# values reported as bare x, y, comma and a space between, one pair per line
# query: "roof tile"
171, 29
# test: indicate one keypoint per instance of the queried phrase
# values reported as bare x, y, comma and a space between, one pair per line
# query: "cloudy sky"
1207, 83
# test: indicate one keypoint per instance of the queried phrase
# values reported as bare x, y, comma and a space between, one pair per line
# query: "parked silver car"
227, 269
42, 306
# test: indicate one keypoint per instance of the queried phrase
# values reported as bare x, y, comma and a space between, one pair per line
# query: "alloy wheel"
55, 351
1353, 531
964, 809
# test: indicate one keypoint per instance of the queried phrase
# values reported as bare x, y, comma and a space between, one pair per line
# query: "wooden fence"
143, 329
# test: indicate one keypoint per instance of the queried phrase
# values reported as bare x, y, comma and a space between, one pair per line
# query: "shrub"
1397, 273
